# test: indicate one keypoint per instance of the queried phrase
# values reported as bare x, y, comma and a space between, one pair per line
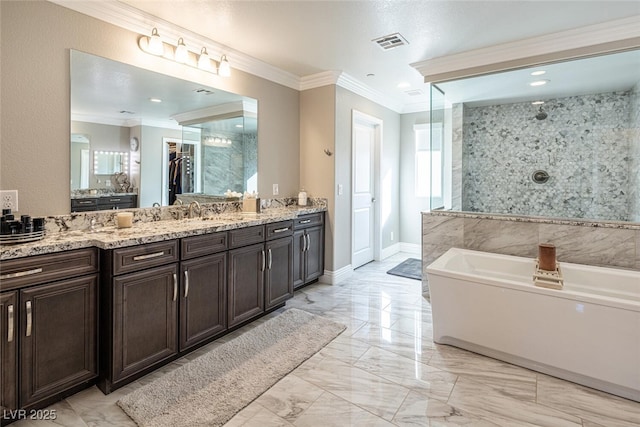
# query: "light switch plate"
275, 189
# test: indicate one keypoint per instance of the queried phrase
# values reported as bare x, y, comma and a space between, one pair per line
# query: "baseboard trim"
390, 250
411, 248
337, 276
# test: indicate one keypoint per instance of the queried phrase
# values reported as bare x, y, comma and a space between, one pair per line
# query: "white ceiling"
307, 37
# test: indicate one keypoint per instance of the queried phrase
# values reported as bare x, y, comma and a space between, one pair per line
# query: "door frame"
376, 123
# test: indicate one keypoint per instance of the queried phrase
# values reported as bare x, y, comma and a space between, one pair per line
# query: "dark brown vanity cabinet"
203, 290
246, 274
278, 287
87, 204
308, 247
8, 355
139, 309
260, 274
49, 327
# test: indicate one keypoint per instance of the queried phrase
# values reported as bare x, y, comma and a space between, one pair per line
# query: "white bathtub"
588, 332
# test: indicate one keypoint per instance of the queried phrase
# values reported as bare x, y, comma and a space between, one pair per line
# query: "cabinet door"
8, 337
58, 342
202, 299
246, 283
314, 264
278, 285
299, 245
145, 319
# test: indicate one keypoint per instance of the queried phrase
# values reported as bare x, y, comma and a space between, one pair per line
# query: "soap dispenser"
302, 198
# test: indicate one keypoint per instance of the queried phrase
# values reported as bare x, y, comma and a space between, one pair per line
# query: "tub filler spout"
547, 273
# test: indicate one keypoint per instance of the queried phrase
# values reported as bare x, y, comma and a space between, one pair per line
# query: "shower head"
541, 114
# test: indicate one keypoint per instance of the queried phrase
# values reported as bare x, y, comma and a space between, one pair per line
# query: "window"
428, 157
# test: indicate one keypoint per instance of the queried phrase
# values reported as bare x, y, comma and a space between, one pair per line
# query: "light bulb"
182, 54
155, 45
203, 60
224, 69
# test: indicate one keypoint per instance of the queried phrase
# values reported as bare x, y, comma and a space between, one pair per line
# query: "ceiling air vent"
414, 92
204, 91
390, 41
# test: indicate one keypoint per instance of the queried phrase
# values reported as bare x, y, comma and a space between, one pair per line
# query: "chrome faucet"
191, 206
155, 204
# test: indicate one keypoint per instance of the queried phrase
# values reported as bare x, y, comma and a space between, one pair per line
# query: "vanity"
106, 307
106, 202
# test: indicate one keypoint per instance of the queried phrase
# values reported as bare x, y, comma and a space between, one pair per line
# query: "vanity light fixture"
538, 73
182, 54
154, 45
204, 63
537, 103
224, 69
157, 100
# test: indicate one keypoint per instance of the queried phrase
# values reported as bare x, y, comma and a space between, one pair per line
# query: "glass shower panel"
438, 183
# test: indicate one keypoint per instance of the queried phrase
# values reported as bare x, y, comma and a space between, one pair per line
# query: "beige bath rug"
211, 389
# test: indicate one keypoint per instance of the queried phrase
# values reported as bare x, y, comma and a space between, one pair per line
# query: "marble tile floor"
385, 370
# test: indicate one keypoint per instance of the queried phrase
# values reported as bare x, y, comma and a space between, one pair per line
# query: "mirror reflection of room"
181, 170
160, 113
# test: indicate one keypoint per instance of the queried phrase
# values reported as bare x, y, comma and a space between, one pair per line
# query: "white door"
364, 135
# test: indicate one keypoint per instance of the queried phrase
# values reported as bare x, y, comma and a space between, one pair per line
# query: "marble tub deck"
385, 370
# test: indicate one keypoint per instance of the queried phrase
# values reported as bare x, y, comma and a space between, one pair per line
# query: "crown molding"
124, 16
621, 34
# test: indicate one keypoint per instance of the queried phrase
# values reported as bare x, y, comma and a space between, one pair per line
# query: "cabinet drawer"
279, 229
309, 220
246, 236
81, 205
38, 269
117, 202
144, 256
206, 244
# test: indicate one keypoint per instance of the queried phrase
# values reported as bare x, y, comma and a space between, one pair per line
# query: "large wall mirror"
169, 139
558, 140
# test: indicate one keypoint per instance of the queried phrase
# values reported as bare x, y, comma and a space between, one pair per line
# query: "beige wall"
317, 170
387, 193
35, 39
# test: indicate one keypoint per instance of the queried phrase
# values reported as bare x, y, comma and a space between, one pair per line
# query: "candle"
124, 219
547, 257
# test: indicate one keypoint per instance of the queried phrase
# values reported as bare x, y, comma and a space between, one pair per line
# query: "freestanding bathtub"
588, 332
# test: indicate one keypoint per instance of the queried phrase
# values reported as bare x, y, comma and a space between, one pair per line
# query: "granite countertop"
111, 237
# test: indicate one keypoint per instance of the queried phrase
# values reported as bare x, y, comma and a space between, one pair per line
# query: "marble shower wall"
584, 144
590, 243
228, 168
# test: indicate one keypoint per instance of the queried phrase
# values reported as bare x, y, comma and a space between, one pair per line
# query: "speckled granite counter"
147, 228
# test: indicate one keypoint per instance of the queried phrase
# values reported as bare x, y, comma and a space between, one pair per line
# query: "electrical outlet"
392, 236
9, 199
275, 189
340, 189
107, 183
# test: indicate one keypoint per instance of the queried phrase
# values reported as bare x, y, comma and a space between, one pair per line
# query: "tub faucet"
196, 205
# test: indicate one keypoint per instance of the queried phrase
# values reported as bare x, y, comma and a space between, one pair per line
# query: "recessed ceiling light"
155, 99
538, 73
239, 126
404, 85
539, 83
537, 103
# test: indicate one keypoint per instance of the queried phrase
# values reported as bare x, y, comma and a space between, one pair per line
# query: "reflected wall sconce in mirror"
154, 45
